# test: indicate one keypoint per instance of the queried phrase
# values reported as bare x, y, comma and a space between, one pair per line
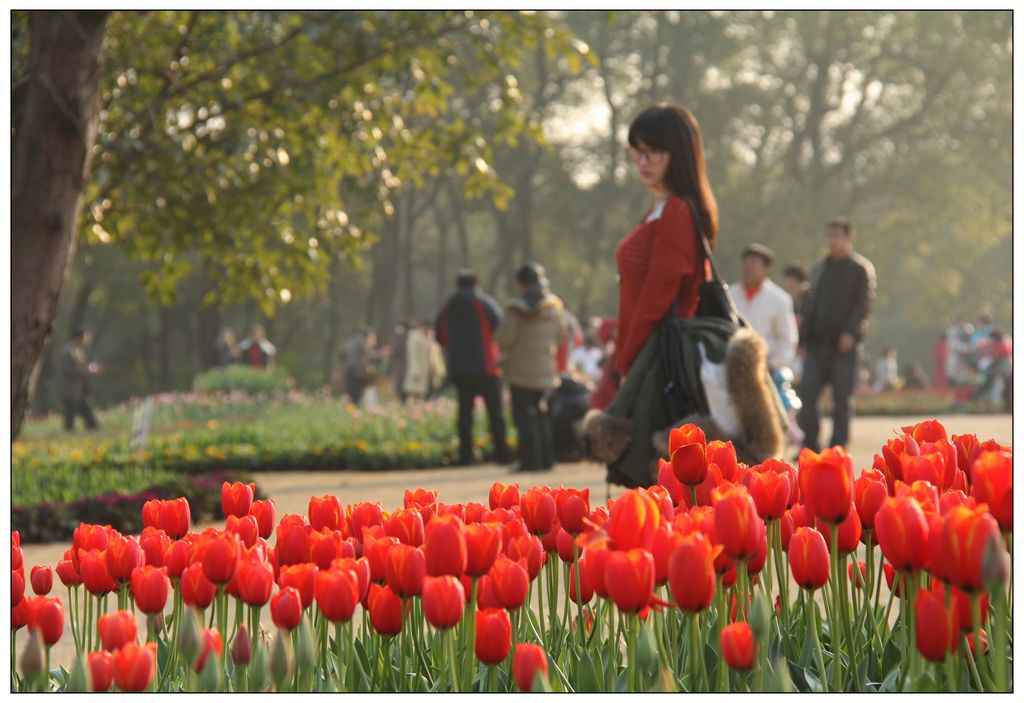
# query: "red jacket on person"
658, 261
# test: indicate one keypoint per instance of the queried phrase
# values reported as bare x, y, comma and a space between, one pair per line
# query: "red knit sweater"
657, 261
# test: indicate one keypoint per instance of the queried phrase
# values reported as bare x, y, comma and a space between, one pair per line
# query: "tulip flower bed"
722, 577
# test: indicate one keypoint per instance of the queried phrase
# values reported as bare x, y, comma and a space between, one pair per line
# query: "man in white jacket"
769, 310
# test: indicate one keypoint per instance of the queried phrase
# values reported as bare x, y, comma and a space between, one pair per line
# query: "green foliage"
239, 377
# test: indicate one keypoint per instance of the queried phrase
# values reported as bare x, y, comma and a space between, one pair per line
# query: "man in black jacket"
834, 320
465, 329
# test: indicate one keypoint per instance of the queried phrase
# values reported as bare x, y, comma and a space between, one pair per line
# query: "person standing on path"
75, 373
533, 330
465, 328
769, 310
835, 319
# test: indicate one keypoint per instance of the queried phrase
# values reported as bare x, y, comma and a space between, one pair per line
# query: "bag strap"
705, 245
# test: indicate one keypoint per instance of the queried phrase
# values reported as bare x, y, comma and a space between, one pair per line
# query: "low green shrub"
238, 377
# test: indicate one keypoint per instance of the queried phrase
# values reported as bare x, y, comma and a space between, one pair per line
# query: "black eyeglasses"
649, 155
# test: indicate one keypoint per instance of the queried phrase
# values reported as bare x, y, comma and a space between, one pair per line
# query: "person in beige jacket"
530, 333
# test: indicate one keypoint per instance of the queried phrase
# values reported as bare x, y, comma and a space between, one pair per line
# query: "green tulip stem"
634, 671
976, 624
836, 627
450, 637
491, 683
696, 654
582, 626
470, 631
999, 638
811, 615
14, 650
951, 677
971, 664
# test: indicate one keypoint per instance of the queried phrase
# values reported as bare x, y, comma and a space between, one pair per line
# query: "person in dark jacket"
465, 328
834, 322
76, 371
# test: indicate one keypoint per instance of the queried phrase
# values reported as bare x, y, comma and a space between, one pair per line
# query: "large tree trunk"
50, 158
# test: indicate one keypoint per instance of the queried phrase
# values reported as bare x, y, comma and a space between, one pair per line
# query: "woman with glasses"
659, 262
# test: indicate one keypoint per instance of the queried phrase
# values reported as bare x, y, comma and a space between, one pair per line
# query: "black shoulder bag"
680, 397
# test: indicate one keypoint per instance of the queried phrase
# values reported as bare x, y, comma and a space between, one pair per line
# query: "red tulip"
19, 615
528, 661
629, 579
154, 543
502, 496
992, 483
444, 601
171, 516
405, 568
572, 506
528, 548
363, 515
197, 590
493, 636
219, 554
516, 528
88, 538
67, 573
406, 525
736, 522
723, 455
926, 431
263, 511
808, 558
935, 626
421, 497
595, 556
150, 587
965, 533
95, 572
302, 577
444, 546
902, 532
135, 666
667, 479
826, 483
930, 467
385, 611
236, 498
293, 541
17, 587
101, 668
511, 582
255, 579
925, 493
688, 454
954, 497
897, 586
738, 646
538, 510
858, 577
376, 551
586, 589
176, 557
849, 532
475, 512
117, 629
869, 490
770, 491
245, 528
691, 569
325, 513
483, 542
633, 520
124, 555
212, 644
286, 608
564, 546
46, 616
337, 594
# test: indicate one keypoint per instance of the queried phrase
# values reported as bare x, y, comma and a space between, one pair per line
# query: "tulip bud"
189, 642
33, 659
760, 615
80, 678
241, 647
281, 662
995, 567
304, 655
209, 677
258, 670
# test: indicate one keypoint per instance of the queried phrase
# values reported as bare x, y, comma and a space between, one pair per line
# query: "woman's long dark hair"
674, 129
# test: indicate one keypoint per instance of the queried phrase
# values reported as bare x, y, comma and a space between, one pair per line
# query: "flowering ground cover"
721, 577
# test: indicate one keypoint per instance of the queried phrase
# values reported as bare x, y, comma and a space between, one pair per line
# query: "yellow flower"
414, 446
362, 445
212, 424
76, 455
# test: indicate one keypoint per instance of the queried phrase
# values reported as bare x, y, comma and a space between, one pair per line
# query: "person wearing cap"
465, 328
834, 321
530, 335
75, 373
769, 310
